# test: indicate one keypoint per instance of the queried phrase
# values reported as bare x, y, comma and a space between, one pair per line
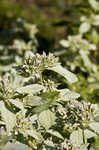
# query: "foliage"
43, 105
80, 53
40, 115
17, 46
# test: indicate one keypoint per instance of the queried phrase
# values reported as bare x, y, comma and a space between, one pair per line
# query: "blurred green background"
55, 19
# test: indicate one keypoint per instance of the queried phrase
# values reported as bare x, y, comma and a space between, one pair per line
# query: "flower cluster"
34, 65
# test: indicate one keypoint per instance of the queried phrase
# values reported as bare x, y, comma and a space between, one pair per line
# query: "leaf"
96, 117
86, 60
64, 72
94, 126
53, 95
84, 147
66, 94
49, 145
92, 148
8, 117
55, 133
34, 134
33, 118
48, 98
2, 122
89, 134
47, 119
17, 103
81, 147
77, 137
30, 89
64, 43
94, 4
84, 27
18, 146
96, 21
33, 100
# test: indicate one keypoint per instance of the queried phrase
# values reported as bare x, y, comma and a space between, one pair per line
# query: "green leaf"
77, 137
48, 98
89, 134
96, 117
81, 147
92, 148
33, 118
31, 100
84, 27
17, 103
17, 146
34, 134
84, 147
94, 126
94, 4
30, 89
96, 21
64, 72
50, 95
2, 122
55, 133
86, 60
47, 119
64, 43
8, 117
67, 95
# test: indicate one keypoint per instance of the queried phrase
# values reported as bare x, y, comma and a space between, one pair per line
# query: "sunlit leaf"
65, 73
66, 94
17, 103
86, 60
89, 134
94, 4
55, 133
64, 43
94, 126
77, 137
8, 117
84, 147
33, 100
30, 89
18, 146
84, 27
34, 134
47, 119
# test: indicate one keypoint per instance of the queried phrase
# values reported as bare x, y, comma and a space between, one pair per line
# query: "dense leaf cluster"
38, 114
43, 105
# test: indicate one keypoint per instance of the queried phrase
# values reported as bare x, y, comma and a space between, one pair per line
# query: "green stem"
30, 143
41, 79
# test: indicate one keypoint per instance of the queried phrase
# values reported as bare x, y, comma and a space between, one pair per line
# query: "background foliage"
43, 105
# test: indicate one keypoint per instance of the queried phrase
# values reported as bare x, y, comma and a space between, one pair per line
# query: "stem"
41, 79
30, 143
